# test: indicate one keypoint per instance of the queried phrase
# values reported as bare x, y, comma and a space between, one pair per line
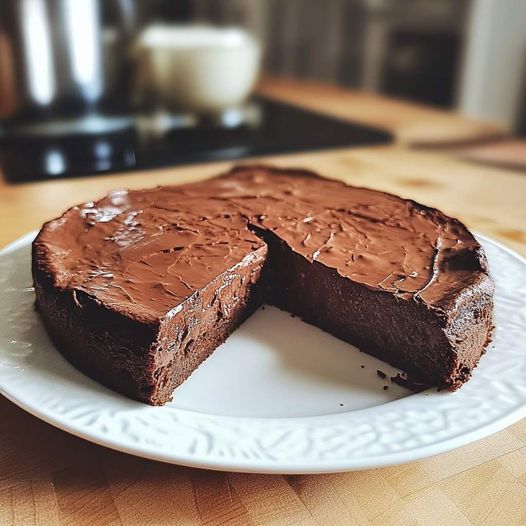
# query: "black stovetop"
279, 128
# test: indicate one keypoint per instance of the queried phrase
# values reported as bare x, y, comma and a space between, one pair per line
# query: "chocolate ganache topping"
139, 288
148, 251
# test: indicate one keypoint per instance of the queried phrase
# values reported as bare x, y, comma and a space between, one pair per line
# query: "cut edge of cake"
147, 359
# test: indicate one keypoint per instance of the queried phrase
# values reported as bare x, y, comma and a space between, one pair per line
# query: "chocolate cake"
138, 288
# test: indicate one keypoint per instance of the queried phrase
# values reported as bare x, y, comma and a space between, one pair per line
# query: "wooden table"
50, 477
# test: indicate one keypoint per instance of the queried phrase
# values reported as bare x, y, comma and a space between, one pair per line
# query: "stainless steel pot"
58, 60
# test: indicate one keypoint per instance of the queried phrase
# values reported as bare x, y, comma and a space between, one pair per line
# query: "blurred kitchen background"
104, 85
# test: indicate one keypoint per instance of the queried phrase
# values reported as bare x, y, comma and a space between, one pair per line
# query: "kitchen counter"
50, 477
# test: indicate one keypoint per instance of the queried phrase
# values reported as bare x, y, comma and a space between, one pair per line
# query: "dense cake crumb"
139, 288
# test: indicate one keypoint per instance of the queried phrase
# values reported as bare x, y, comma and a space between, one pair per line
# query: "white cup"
197, 68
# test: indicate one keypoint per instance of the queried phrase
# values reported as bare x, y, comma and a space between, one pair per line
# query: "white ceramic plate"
279, 396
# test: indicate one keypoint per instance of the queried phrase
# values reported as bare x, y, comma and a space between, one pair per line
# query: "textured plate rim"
280, 466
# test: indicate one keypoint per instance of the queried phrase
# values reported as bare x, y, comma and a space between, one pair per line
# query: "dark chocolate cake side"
141, 358
437, 347
139, 288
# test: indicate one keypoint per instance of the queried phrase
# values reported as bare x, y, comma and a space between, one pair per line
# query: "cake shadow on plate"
307, 351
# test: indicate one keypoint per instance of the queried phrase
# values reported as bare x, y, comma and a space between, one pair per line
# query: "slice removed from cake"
140, 287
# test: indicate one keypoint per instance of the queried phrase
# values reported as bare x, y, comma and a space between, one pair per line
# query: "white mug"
198, 68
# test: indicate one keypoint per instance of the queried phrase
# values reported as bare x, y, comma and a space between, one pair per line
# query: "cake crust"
138, 288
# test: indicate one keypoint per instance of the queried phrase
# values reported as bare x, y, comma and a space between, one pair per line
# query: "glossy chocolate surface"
147, 252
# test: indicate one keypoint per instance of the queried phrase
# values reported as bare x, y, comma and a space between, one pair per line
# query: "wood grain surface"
50, 477
412, 124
